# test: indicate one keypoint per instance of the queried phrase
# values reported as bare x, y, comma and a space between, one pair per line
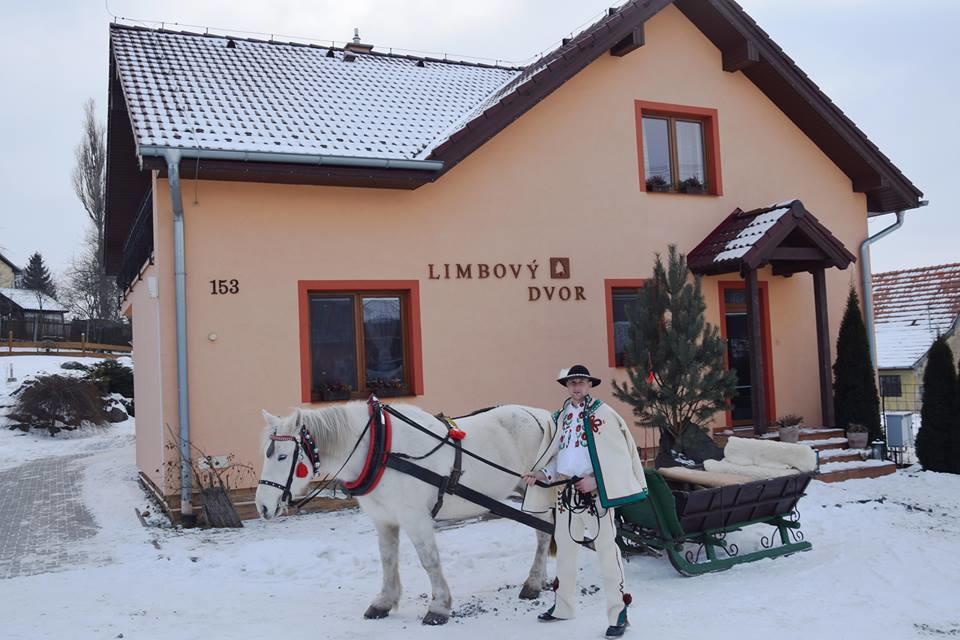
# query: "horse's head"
289, 456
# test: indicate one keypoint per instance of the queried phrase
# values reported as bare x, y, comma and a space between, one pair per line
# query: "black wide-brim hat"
577, 371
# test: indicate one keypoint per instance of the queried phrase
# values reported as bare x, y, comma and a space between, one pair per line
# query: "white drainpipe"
866, 281
180, 302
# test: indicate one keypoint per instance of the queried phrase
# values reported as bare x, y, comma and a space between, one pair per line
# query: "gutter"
188, 517
866, 280
291, 158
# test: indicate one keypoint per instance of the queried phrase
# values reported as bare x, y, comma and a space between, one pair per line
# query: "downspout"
866, 280
180, 296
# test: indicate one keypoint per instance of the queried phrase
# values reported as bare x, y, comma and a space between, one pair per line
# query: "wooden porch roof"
785, 236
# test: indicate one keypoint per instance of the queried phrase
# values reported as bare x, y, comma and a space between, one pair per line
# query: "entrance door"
733, 308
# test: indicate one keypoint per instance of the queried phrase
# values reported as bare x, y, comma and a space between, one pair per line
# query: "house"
912, 308
22, 309
297, 223
9, 273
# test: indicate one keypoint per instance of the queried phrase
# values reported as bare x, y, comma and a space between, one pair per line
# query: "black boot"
547, 616
615, 630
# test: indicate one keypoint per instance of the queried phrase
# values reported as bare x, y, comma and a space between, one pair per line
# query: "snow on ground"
17, 447
884, 565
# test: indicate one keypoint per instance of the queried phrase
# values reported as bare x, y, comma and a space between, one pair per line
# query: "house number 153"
223, 287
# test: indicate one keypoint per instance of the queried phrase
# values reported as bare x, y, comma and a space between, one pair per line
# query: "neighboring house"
21, 309
911, 308
455, 233
9, 273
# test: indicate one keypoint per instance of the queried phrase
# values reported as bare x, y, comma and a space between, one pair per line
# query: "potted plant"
657, 183
857, 436
385, 388
692, 185
332, 391
789, 427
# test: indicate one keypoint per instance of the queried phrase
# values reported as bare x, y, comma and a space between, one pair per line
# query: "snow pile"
17, 447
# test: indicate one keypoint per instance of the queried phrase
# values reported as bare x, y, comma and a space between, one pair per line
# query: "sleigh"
690, 524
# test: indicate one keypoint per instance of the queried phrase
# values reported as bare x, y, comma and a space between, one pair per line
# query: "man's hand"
586, 485
530, 479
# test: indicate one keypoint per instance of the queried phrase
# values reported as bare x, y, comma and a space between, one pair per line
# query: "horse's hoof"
434, 619
373, 613
529, 593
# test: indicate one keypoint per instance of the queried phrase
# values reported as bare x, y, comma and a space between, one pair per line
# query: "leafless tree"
89, 183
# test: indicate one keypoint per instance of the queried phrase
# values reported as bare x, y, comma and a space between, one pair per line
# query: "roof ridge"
315, 45
948, 265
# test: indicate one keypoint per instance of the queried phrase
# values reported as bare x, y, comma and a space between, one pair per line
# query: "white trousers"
572, 526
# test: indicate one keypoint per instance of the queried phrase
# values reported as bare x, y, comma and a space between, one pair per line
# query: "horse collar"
377, 452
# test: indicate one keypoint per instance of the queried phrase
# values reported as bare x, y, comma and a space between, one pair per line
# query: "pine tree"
938, 442
855, 397
36, 277
677, 378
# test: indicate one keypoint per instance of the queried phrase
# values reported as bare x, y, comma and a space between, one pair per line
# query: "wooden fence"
81, 349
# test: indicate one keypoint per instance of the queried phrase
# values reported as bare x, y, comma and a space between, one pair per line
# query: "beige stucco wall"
6, 275
147, 382
561, 181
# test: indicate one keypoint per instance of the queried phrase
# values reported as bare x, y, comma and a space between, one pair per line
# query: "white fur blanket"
758, 458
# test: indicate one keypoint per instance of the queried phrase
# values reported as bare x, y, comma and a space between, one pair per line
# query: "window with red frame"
359, 344
678, 148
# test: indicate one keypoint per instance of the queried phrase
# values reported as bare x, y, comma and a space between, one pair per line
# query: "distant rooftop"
911, 308
26, 299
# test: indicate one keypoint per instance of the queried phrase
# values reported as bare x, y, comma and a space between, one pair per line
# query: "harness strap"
494, 506
445, 440
450, 482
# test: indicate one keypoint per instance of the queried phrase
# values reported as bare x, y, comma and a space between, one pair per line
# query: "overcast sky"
893, 70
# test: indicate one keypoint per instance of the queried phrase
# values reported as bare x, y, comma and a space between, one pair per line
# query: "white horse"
509, 436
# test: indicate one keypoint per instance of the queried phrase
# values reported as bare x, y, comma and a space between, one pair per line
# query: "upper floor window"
678, 149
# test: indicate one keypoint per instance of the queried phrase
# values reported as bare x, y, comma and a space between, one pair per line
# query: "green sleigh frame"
669, 520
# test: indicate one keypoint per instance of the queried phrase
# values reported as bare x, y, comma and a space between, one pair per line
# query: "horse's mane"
331, 427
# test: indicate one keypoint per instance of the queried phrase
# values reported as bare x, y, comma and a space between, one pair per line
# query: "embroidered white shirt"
573, 456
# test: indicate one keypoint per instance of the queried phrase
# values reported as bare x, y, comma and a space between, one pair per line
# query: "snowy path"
43, 517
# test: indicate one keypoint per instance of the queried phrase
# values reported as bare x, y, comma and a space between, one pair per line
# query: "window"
678, 149
359, 340
890, 387
620, 295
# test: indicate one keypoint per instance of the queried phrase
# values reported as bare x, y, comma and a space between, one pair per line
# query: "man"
589, 441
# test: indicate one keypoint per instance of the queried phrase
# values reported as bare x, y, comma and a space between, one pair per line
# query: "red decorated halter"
306, 447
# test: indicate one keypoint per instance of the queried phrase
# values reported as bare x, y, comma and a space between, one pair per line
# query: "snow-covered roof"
910, 309
194, 91
749, 239
26, 299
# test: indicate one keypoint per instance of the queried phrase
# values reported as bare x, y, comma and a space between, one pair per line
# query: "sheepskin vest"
613, 453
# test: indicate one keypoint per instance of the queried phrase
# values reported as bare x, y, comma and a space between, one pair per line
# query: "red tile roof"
911, 308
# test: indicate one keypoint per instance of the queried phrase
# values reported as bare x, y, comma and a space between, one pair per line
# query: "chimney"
356, 46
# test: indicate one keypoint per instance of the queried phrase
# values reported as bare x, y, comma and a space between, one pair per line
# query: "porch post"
823, 347
758, 379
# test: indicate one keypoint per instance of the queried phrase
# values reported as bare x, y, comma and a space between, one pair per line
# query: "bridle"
306, 447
